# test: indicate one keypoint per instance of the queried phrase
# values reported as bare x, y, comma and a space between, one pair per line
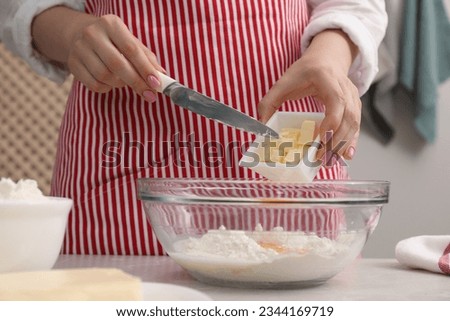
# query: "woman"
314, 56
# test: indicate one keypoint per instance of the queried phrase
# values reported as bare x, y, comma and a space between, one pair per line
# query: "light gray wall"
419, 173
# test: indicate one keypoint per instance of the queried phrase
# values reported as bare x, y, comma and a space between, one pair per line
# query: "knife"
210, 108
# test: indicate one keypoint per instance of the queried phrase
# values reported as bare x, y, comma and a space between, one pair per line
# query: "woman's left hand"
322, 72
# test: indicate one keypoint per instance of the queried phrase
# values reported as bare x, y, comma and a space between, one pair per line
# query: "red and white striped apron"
231, 50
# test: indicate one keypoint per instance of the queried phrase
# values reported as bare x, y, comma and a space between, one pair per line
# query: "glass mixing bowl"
262, 234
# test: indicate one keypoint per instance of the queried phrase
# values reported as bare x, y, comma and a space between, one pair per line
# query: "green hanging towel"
425, 59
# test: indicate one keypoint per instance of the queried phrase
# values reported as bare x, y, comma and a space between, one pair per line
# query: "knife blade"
203, 105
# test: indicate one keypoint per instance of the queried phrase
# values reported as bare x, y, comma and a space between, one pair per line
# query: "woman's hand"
99, 51
322, 73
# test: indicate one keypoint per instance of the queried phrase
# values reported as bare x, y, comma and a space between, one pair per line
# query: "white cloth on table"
427, 252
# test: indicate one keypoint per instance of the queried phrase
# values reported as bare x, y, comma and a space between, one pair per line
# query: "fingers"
350, 126
153, 59
82, 73
334, 98
271, 102
289, 86
342, 117
95, 67
350, 149
107, 55
120, 66
132, 64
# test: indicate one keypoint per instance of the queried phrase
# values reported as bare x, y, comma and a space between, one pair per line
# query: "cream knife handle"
165, 81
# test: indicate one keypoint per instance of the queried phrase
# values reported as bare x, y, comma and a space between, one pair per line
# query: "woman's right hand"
100, 52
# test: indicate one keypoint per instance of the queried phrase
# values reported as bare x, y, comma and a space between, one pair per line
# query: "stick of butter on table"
90, 284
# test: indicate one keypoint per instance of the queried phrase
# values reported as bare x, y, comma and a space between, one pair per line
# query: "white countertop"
365, 279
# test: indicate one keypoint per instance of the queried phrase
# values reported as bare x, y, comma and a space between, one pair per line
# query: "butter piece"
294, 156
293, 133
92, 284
307, 132
290, 147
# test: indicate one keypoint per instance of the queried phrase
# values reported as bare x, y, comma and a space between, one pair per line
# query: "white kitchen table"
365, 279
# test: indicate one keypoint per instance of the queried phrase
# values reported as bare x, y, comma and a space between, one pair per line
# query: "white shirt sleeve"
16, 17
364, 21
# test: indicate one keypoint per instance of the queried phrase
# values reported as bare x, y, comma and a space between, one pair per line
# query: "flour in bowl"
24, 189
267, 256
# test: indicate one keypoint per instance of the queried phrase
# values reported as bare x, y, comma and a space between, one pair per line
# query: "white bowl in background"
32, 232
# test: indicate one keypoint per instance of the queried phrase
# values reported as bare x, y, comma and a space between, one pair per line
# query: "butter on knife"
90, 284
